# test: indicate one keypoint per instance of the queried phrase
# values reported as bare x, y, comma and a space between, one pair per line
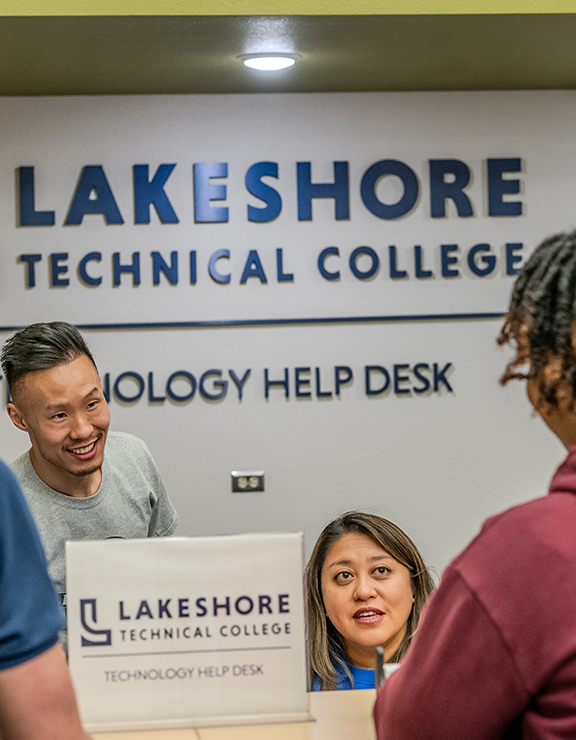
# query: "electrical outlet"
247, 481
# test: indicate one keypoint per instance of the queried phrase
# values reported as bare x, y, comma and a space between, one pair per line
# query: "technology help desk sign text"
179, 632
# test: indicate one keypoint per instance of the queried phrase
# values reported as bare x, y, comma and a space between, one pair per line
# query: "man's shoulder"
21, 463
24, 470
38, 494
8, 481
119, 444
124, 451
123, 440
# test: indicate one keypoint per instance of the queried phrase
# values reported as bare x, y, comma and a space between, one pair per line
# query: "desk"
339, 715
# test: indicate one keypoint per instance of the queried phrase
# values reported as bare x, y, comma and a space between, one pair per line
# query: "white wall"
436, 463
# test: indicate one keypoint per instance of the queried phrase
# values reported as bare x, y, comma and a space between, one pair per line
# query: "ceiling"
198, 54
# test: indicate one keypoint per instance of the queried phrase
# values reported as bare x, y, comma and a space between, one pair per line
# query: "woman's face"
368, 597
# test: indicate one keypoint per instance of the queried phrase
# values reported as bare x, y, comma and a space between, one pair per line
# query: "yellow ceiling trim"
276, 7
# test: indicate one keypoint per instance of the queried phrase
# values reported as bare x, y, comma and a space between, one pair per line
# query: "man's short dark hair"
41, 347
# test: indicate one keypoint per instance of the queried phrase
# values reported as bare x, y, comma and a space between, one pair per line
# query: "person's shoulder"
532, 517
123, 438
22, 465
124, 450
15, 512
541, 531
8, 479
120, 443
536, 517
27, 477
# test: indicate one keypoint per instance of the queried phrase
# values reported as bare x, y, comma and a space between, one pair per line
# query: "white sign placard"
187, 631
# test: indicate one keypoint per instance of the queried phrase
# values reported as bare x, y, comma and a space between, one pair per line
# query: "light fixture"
269, 62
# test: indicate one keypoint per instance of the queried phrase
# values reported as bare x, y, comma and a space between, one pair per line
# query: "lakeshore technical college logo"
88, 614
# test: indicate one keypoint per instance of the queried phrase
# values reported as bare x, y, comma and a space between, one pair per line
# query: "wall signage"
172, 211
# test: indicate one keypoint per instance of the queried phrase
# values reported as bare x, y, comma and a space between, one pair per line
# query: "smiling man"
80, 480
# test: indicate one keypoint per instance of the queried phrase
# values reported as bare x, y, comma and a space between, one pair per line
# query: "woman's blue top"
363, 679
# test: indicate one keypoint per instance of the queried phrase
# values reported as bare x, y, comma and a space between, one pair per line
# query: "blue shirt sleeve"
30, 614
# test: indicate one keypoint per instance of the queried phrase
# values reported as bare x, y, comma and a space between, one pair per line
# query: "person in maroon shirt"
495, 654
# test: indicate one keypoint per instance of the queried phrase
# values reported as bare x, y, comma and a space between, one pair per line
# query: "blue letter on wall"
339, 190
253, 268
205, 192
486, 257
440, 190
218, 277
498, 187
29, 216
151, 193
370, 180
83, 273
93, 181
159, 265
264, 192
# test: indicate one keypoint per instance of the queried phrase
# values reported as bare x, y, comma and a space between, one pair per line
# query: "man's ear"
16, 416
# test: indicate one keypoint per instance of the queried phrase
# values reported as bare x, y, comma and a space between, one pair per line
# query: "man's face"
64, 411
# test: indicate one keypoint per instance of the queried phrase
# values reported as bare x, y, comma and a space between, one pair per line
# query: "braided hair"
541, 319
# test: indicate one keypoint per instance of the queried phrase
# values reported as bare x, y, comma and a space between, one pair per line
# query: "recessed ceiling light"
269, 62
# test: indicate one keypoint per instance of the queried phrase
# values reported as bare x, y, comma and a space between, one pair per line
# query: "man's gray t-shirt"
131, 502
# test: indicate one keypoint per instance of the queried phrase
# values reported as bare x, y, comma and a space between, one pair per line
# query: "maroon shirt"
495, 654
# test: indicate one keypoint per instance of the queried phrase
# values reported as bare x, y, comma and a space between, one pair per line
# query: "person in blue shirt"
36, 696
366, 586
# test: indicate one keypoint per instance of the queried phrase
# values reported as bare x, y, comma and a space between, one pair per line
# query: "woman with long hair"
366, 586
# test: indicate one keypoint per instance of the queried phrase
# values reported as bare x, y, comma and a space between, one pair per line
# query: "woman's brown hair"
326, 653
